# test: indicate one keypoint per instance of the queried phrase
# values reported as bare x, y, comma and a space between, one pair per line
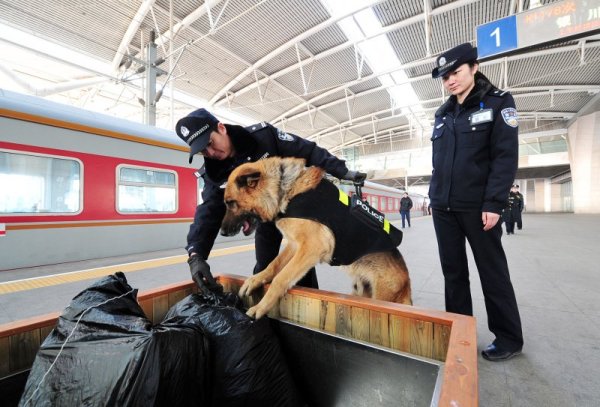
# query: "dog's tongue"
245, 226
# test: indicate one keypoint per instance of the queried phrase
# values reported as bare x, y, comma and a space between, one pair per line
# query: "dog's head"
251, 196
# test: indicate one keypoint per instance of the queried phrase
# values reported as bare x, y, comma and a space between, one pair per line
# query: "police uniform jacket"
475, 151
251, 144
354, 235
512, 210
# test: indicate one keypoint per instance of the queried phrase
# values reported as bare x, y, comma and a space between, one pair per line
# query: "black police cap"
195, 130
453, 58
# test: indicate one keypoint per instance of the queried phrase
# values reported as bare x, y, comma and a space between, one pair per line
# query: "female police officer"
225, 147
475, 157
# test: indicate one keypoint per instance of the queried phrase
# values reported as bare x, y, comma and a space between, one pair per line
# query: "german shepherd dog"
261, 191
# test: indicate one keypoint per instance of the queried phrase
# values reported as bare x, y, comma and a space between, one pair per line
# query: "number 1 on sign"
496, 33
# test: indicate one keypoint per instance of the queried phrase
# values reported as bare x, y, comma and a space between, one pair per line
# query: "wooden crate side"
148, 307
313, 312
361, 323
327, 316
421, 338
22, 349
379, 331
399, 331
343, 320
160, 306
4, 357
441, 340
177, 296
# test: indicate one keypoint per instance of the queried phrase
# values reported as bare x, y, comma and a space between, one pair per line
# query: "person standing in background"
475, 156
511, 212
406, 205
521, 207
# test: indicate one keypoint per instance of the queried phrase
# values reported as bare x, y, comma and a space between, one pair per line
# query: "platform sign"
562, 20
558, 21
497, 37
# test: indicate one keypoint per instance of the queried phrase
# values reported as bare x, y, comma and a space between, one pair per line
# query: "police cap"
195, 130
453, 58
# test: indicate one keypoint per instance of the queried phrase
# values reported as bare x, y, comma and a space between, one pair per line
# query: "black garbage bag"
248, 367
104, 352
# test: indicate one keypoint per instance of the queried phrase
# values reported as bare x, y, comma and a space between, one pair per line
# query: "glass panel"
146, 190
143, 176
34, 184
146, 199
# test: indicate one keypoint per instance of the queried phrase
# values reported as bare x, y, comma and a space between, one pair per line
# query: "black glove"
202, 276
355, 176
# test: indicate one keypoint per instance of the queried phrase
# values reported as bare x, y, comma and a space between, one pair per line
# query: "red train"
78, 185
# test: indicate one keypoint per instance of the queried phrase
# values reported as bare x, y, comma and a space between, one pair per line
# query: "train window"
374, 202
39, 184
143, 190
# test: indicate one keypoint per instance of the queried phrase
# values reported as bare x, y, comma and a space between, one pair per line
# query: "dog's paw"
251, 284
257, 312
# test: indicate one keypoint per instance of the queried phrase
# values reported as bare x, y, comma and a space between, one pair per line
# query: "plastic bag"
104, 352
248, 367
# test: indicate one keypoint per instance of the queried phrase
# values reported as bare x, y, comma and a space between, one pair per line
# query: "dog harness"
357, 227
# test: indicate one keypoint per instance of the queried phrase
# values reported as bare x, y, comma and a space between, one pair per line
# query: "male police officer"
225, 147
475, 157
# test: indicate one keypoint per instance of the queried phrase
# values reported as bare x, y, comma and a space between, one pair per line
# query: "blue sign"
497, 37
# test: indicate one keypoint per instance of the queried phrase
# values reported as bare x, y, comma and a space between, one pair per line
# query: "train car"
78, 185
387, 199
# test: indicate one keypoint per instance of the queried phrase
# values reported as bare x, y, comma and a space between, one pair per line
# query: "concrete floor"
554, 268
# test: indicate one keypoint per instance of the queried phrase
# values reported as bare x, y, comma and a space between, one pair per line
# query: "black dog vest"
357, 227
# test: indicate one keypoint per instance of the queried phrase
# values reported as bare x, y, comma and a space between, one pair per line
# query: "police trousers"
267, 243
452, 229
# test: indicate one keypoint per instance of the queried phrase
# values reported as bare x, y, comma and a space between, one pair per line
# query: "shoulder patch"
256, 127
284, 136
510, 116
498, 92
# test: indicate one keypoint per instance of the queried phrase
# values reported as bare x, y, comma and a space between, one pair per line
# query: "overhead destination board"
562, 20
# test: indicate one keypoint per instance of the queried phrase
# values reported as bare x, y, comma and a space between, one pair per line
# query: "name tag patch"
482, 116
510, 116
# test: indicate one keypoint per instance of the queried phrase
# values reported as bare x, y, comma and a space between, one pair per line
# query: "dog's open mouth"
249, 225
246, 224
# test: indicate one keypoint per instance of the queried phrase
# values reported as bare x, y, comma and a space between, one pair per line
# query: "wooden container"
445, 337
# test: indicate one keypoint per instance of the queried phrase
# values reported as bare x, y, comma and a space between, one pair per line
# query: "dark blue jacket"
474, 160
251, 144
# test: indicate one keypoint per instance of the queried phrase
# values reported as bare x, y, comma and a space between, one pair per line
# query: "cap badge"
441, 61
184, 131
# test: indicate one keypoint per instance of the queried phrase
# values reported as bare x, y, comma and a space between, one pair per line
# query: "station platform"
553, 264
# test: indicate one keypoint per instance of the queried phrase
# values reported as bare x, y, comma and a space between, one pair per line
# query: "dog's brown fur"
262, 190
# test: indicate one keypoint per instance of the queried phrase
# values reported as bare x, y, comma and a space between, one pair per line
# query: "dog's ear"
248, 180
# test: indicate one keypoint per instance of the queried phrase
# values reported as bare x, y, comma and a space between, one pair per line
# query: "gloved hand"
355, 176
202, 276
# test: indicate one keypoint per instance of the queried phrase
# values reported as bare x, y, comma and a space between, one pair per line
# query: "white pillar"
584, 154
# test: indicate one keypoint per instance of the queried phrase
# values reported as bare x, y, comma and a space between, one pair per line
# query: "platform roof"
339, 73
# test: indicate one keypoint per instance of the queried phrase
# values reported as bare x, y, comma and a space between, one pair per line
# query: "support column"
584, 154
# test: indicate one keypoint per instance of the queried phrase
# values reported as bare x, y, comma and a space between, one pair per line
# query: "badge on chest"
481, 116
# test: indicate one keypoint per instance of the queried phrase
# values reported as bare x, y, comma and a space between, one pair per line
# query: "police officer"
521, 207
224, 147
475, 157
512, 210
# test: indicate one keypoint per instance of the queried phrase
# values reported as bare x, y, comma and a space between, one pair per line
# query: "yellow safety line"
56, 279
